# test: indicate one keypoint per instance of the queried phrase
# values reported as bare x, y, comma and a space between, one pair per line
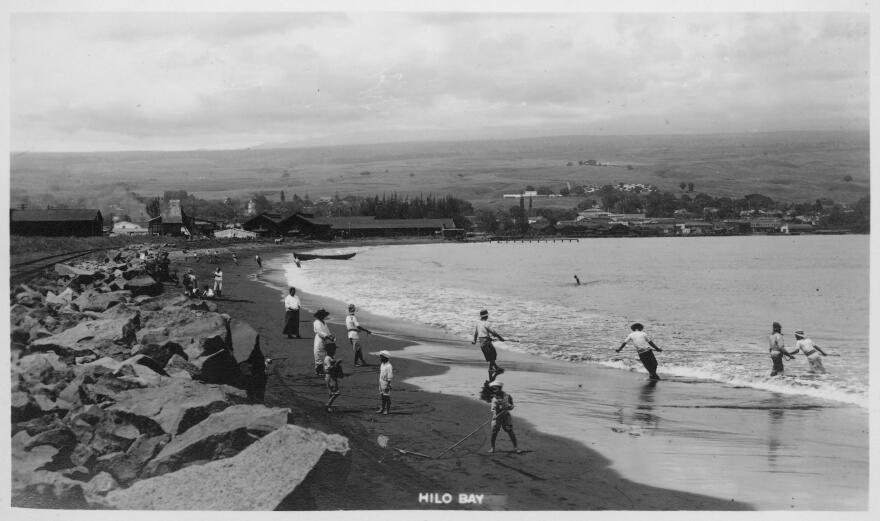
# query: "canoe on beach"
311, 256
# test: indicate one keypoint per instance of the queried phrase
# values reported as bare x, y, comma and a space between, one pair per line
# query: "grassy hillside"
785, 166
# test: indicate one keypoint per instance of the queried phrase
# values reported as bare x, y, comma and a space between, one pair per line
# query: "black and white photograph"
404, 259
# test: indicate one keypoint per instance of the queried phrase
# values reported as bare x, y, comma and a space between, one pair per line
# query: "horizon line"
269, 146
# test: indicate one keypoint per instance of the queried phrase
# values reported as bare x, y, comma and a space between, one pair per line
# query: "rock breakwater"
128, 394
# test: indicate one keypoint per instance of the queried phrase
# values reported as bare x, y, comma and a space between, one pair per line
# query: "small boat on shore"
311, 256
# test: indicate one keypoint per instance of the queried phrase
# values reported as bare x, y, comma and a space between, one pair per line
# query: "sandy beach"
594, 438
554, 474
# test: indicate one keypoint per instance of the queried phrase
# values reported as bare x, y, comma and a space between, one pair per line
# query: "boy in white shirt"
386, 373
643, 344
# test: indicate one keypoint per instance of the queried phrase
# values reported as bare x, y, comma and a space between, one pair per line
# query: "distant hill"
787, 166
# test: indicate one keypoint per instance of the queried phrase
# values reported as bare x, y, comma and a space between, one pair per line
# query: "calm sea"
707, 302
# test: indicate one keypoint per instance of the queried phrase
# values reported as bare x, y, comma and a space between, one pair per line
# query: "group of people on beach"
501, 403
325, 348
191, 285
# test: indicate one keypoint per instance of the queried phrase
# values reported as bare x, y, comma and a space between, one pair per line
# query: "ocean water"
707, 302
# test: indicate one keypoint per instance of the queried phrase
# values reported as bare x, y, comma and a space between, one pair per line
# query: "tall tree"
153, 207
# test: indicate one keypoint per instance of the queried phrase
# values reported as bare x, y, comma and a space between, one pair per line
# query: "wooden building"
173, 221
56, 223
266, 224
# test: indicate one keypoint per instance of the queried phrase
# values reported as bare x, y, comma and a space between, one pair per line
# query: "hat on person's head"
799, 332
321, 314
484, 313
352, 308
497, 384
384, 354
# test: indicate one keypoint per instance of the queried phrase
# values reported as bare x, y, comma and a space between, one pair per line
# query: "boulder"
93, 301
96, 336
83, 276
27, 461
40, 368
177, 405
100, 432
161, 353
45, 489
48, 404
29, 300
106, 388
220, 368
62, 439
196, 332
18, 312
164, 301
24, 407
127, 466
263, 476
179, 367
244, 337
99, 486
62, 299
143, 285
37, 332
221, 435
23, 321
116, 284
39, 424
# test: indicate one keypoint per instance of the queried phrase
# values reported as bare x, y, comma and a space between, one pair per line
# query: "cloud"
172, 80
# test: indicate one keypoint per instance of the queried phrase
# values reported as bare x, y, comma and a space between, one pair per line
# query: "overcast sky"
172, 81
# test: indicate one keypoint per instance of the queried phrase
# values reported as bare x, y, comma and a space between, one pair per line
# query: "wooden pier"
533, 239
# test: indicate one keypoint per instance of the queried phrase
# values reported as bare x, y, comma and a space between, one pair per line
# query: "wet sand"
595, 439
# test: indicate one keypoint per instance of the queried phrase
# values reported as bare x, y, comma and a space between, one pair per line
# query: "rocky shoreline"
127, 394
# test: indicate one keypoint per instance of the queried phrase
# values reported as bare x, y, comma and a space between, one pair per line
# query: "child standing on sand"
332, 374
502, 404
386, 373
643, 344
811, 351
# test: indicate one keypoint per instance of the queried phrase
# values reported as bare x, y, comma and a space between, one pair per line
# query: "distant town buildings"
128, 228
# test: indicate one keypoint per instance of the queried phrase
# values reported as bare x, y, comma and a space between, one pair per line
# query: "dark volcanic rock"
221, 368
93, 301
143, 285
261, 477
221, 435
161, 353
177, 405
96, 336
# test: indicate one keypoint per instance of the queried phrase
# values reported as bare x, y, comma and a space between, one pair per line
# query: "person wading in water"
777, 350
484, 333
643, 344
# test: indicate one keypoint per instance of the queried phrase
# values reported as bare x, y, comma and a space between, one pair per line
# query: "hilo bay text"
445, 498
